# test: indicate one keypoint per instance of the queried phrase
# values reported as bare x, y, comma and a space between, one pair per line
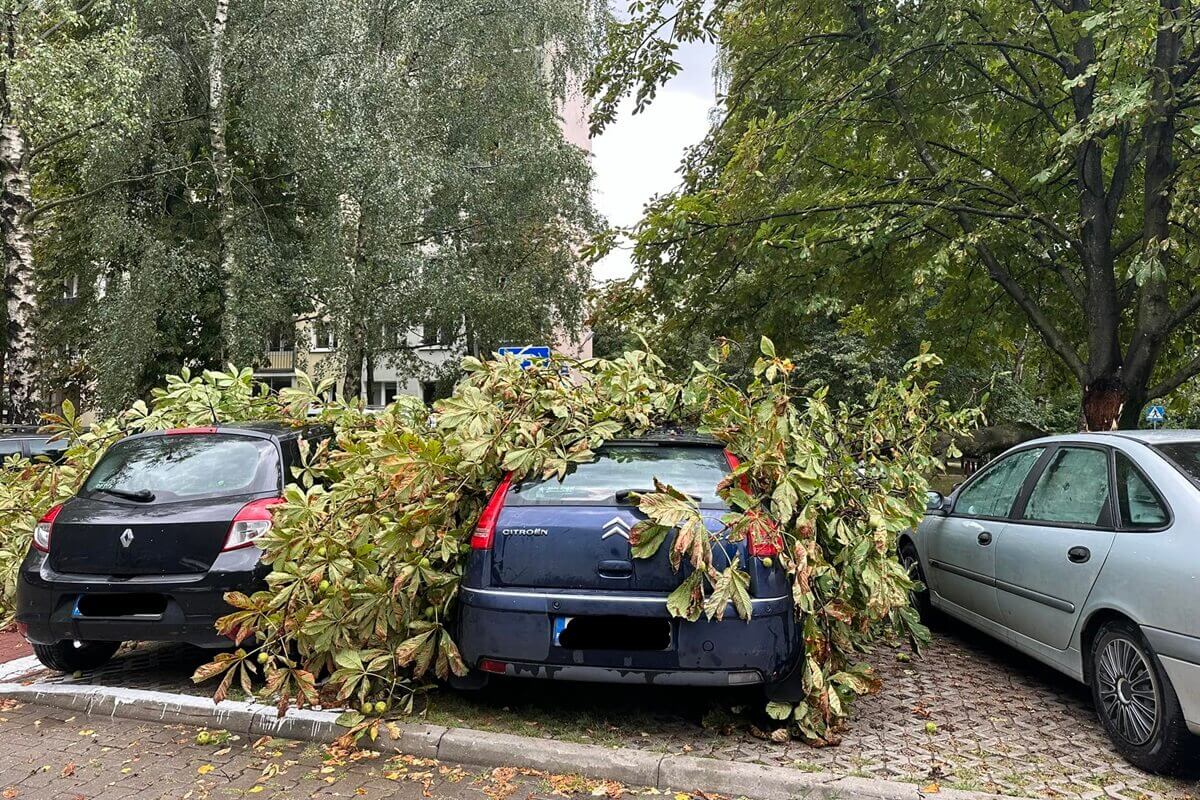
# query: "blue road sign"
527, 353
1156, 414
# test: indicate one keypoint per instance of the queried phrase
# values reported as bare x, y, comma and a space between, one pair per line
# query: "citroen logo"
616, 527
127, 537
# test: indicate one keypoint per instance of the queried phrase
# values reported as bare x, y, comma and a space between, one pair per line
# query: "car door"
962, 544
1052, 551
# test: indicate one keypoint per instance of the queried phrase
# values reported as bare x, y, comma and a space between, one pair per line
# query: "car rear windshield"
693, 470
1185, 455
185, 467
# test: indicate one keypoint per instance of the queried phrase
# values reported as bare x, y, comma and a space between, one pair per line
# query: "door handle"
615, 569
985, 538
1079, 555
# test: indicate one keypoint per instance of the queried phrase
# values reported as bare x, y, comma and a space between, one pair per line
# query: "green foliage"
987, 172
368, 547
394, 166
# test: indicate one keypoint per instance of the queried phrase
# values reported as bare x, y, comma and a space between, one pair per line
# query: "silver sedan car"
1084, 552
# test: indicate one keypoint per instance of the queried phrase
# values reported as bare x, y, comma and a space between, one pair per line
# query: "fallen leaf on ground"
931, 788
204, 769
69, 769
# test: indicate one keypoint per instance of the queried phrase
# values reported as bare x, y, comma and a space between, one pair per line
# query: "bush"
368, 550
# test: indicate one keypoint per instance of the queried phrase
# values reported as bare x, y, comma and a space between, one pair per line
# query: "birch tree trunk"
355, 338
16, 201
222, 173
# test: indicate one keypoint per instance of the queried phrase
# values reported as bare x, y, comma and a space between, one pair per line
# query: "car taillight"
734, 463
762, 537
485, 529
43, 528
763, 543
251, 523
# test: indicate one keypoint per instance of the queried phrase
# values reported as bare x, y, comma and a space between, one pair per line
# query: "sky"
637, 156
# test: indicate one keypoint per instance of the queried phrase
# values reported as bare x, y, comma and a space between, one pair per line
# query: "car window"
1073, 488
691, 470
992, 493
1185, 456
1139, 505
9, 447
46, 447
187, 467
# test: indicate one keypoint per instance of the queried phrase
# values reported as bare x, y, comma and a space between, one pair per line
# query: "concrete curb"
482, 748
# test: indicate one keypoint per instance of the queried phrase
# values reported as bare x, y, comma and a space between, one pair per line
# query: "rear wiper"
140, 495
624, 495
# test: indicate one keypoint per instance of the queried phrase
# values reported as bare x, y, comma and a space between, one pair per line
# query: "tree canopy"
975, 170
203, 175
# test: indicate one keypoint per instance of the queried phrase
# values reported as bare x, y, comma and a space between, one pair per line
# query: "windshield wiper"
625, 495
140, 495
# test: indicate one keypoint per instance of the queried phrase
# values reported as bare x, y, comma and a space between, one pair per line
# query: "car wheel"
474, 681
65, 656
1135, 700
918, 598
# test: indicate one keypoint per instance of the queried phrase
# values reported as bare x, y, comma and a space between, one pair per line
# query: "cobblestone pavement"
970, 713
49, 754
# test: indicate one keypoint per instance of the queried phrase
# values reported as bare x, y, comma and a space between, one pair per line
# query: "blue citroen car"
552, 590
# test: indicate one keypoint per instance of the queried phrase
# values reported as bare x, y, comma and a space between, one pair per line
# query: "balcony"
277, 361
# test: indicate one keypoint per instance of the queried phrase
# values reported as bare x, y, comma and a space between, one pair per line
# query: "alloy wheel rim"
1128, 693
912, 566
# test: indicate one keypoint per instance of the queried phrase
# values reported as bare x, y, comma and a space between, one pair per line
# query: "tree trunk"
354, 366
369, 363
20, 298
1104, 399
16, 200
222, 176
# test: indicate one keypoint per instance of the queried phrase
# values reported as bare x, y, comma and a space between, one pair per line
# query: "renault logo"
616, 527
127, 537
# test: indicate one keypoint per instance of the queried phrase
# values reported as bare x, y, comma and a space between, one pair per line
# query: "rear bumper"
516, 628
47, 602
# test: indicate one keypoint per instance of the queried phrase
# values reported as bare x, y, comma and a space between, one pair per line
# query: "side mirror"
935, 503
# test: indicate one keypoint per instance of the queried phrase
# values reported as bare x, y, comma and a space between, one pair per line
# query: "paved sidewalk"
53, 754
970, 714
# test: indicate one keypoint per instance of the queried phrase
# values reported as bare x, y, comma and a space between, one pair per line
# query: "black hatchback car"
162, 528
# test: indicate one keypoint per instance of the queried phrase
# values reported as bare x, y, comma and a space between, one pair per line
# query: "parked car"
162, 528
1081, 551
25, 440
551, 589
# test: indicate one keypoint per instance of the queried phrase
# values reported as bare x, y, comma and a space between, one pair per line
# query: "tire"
918, 598
474, 681
1136, 702
64, 656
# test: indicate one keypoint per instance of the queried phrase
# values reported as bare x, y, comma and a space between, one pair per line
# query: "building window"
384, 392
428, 392
393, 339
281, 339
277, 382
324, 336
